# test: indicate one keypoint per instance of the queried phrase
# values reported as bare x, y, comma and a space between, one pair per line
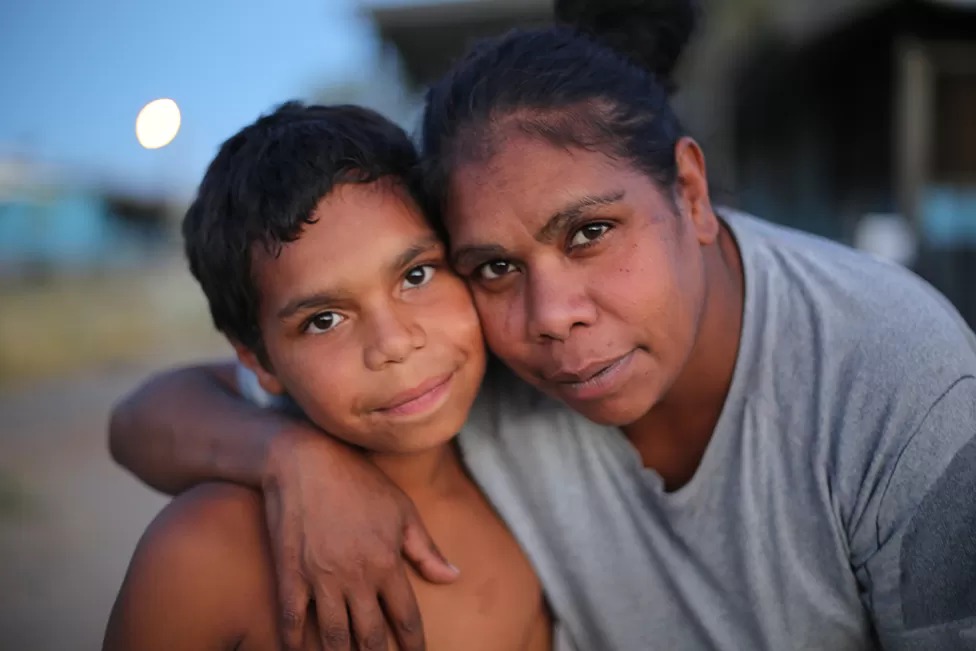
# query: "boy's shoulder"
207, 515
202, 568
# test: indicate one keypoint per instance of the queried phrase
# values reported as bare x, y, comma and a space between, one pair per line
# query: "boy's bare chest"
497, 603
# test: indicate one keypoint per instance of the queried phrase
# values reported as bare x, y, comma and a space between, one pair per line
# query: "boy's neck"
427, 474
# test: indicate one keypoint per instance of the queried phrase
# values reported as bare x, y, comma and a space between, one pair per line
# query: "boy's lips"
419, 398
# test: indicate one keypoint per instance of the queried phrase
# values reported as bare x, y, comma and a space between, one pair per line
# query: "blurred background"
854, 119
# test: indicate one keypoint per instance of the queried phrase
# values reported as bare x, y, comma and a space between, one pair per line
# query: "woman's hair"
599, 79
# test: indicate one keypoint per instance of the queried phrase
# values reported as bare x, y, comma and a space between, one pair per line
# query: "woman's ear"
691, 189
267, 379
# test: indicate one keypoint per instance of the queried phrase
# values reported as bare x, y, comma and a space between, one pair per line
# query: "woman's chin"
615, 412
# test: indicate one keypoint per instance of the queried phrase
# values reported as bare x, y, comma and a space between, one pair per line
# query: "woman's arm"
189, 425
340, 530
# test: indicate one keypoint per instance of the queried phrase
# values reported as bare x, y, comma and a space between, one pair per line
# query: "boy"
321, 270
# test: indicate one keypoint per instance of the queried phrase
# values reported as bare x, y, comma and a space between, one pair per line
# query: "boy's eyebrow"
318, 299
413, 252
304, 302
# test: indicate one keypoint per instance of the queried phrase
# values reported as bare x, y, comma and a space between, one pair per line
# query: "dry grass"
115, 318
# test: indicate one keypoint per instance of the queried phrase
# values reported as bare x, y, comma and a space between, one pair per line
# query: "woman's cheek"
496, 314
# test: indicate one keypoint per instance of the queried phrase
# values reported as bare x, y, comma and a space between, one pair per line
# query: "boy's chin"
417, 439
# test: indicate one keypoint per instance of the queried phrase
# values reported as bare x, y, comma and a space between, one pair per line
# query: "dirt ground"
69, 517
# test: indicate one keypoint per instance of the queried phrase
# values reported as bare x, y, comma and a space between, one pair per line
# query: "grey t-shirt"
834, 508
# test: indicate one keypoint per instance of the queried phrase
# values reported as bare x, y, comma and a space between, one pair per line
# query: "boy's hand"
340, 531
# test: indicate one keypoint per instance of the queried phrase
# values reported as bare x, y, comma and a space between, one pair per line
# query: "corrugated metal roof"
397, 14
430, 34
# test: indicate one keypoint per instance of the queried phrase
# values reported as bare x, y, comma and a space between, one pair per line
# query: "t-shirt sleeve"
250, 389
919, 584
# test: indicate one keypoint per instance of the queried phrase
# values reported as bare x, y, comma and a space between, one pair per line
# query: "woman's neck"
673, 436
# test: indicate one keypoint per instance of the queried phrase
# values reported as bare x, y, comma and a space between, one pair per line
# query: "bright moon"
158, 123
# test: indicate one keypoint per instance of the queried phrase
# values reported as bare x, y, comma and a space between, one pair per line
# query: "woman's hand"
341, 532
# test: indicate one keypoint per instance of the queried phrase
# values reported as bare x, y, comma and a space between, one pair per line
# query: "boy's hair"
262, 188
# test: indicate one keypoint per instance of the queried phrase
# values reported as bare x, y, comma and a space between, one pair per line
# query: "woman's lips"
593, 381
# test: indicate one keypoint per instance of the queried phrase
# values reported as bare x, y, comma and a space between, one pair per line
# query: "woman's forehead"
530, 180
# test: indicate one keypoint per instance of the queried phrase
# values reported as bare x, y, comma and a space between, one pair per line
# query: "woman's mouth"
594, 380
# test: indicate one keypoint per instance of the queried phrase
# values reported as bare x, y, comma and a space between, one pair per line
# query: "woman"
768, 436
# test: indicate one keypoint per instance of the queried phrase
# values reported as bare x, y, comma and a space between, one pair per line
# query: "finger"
293, 601
423, 554
293, 591
368, 623
333, 620
402, 613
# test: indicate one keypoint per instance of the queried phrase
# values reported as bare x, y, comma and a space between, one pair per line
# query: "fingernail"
454, 568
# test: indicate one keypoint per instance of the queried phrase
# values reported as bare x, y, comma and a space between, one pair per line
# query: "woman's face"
589, 280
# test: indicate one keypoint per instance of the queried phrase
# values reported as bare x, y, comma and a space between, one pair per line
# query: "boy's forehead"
354, 213
357, 233
380, 191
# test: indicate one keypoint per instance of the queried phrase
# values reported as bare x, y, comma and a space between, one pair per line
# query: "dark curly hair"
599, 79
262, 188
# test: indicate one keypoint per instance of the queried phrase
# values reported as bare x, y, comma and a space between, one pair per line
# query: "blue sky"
75, 74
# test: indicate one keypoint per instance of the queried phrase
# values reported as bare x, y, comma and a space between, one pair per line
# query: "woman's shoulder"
876, 315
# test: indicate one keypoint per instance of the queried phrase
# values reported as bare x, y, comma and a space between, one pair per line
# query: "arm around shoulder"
190, 425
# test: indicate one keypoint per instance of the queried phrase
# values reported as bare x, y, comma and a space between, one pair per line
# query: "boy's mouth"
420, 398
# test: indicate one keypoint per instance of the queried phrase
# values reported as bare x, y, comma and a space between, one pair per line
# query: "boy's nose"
392, 341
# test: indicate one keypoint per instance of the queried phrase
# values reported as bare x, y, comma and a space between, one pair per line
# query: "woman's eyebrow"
466, 256
572, 212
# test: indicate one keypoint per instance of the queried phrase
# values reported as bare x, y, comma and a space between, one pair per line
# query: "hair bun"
653, 33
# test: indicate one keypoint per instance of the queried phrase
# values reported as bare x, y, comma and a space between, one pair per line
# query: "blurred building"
854, 119
875, 113
53, 225
429, 34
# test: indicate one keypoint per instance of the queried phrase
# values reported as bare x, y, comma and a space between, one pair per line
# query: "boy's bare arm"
339, 528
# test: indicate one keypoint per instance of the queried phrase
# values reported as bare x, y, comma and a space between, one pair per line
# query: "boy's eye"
589, 234
418, 276
495, 269
323, 322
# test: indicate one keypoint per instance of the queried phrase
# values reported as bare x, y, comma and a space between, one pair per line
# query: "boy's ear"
268, 381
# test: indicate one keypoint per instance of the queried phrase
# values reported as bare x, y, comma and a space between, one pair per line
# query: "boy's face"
366, 327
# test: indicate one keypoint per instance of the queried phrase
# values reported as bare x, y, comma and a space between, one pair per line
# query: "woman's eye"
495, 269
323, 322
418, 276
589, 234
